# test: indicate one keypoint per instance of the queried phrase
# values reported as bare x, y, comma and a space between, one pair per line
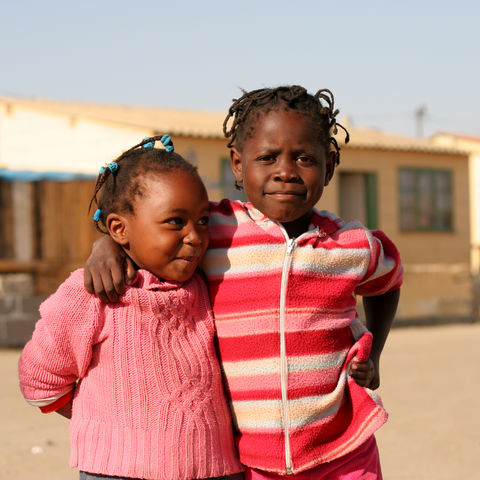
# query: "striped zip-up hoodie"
285, 312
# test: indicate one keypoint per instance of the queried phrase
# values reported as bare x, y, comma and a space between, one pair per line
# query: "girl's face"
168, 233
284, 167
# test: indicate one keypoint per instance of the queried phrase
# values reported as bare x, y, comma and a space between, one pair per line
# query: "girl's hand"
366, 374
107, 270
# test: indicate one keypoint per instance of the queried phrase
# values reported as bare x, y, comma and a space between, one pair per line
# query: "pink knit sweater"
149, 401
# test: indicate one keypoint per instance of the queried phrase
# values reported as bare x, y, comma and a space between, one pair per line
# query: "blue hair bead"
167, 142
96, 215
102, 169
113, 167
150, 144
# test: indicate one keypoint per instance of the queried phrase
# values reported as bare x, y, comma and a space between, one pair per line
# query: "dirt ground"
430, 386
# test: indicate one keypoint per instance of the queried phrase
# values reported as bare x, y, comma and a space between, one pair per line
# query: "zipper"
287, 262
283, 356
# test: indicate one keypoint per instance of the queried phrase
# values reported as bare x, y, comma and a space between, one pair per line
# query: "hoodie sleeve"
385, 270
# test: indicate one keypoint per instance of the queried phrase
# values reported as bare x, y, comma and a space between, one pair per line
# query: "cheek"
253, 180
205, 241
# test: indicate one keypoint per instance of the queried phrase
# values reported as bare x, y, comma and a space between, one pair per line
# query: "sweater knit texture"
149, 401
287, 326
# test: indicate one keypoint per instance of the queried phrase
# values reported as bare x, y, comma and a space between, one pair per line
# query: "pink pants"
361, 464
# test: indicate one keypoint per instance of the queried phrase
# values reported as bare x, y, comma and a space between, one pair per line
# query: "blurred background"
80, 83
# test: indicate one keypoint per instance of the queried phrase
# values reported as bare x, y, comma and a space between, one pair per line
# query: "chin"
285, 217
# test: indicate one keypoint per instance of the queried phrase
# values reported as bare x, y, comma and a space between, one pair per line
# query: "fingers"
88, 282
103, 287
362, 372
114, 279
105, 280
130, 271
375, 383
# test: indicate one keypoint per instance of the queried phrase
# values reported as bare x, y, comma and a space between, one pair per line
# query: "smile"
188, 259
287, 194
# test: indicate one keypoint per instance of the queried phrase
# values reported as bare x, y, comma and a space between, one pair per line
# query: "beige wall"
449, 246
40, 141
207, 153
437, 281
471, 145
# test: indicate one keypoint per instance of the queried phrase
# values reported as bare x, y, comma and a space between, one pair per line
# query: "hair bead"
113, 166
117, 192
149, 144
167, 143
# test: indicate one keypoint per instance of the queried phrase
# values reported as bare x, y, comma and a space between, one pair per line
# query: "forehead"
282, 125
173, 188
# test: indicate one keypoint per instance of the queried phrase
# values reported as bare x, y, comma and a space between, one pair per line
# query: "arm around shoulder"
108, 270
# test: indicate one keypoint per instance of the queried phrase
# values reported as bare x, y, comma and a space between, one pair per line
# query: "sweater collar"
149, 281
322, 222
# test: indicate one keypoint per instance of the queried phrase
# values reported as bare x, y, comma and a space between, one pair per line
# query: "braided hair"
244, 112
122, 181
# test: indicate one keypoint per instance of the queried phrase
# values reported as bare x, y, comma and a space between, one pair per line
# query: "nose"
286, 170
193, 237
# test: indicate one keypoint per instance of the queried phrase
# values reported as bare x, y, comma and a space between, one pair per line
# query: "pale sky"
382, 59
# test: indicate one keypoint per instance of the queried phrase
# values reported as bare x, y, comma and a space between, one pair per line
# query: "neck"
297, 227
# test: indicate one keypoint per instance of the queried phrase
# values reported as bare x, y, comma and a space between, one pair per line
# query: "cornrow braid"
244, 112
117, 188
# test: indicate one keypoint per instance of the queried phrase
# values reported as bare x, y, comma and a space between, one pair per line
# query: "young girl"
283, 279
146, 385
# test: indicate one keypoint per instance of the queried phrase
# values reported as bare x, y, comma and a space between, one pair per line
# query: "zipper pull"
290, 245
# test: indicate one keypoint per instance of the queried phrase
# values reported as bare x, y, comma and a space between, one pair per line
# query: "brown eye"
266, 159
305, 160
177, 221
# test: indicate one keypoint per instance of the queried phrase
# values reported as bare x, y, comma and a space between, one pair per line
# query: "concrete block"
16, 331
8, 303
31, 303
17, 283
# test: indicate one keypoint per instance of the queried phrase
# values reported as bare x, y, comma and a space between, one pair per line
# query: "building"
470, 144
50, 153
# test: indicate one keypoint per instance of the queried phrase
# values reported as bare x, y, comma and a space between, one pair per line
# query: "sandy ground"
430, 386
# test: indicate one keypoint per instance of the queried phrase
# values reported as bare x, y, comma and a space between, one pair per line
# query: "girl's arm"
108, 270
379, 312
60, 350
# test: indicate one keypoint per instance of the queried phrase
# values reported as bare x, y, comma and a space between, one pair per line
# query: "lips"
291, 193
192, 259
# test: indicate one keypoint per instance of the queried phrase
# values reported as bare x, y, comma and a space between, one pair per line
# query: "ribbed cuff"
59, 403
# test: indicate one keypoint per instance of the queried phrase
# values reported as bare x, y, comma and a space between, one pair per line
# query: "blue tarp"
32, 176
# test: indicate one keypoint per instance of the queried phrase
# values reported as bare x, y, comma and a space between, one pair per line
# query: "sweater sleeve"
385, 271
60, 350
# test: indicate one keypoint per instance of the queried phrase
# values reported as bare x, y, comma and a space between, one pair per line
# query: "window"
425, 200
358, 197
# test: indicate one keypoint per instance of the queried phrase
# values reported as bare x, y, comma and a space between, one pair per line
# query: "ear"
236, 163
117, 226
330, 166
